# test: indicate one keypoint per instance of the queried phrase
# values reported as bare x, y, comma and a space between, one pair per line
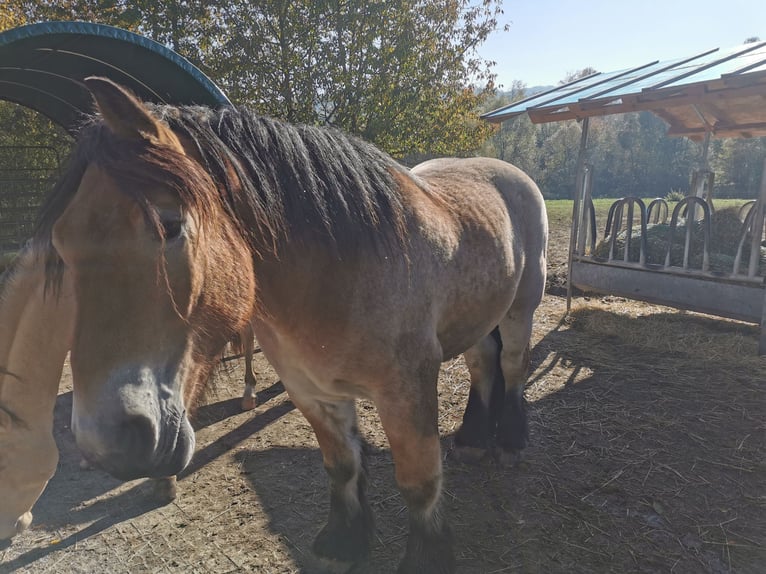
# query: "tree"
403, 74
738, 164
513, 141
400, 73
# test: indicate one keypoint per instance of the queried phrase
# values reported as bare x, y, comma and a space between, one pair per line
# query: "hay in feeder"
725, 233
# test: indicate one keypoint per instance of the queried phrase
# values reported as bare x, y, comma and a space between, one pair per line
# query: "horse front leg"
347, 537
408, 412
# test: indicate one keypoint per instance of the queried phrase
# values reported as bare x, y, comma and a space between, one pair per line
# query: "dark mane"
278, 182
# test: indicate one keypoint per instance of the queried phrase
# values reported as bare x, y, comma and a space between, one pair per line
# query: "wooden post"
578, 208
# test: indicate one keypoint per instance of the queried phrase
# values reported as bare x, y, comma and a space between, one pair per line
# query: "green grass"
560, 210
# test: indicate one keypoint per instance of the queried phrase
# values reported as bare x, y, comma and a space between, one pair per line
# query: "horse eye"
171, 227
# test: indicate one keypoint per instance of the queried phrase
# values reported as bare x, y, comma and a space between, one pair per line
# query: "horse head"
161, 279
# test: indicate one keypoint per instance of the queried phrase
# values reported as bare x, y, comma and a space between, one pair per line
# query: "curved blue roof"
42, 66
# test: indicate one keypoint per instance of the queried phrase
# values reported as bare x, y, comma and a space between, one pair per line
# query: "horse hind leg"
244, 344
473, 439
346, 538
249, 398
512, 430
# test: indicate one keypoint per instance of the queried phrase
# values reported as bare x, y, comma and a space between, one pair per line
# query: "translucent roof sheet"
721, 91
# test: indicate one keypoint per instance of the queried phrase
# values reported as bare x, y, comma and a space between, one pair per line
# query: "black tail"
497, 397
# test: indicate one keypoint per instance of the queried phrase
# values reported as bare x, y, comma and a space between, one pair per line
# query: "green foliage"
403, 74
630, 153
395, 72
674, 195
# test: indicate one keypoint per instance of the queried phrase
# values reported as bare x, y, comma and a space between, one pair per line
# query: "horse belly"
311, 368
463, 324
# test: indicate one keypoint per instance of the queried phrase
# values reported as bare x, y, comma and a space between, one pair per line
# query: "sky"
548, 39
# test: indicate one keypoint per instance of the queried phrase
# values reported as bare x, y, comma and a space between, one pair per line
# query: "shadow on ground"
647, 456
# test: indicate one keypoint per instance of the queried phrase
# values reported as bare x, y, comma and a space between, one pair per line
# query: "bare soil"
647, 455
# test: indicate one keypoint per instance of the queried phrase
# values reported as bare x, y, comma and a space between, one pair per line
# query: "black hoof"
428, 554
344, 543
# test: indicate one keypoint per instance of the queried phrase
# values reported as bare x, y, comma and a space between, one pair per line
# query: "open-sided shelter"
718, 93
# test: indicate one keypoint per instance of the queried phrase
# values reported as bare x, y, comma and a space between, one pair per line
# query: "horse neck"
35, 336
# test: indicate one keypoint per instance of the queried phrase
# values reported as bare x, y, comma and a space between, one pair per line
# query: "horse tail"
497, 396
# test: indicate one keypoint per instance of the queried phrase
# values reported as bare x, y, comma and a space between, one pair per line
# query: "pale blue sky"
548, 39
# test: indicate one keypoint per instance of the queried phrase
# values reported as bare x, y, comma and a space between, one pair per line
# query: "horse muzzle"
134, 430
136, 448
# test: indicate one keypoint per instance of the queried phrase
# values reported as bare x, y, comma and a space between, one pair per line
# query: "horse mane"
278, 182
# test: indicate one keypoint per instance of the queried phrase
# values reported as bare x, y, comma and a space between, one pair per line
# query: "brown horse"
180, 225
35, 334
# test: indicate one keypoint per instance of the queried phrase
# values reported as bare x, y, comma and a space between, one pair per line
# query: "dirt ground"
647, 455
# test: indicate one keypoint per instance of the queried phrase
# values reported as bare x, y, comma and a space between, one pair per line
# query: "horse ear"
126, 116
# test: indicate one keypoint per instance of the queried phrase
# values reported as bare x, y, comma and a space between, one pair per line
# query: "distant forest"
630, 154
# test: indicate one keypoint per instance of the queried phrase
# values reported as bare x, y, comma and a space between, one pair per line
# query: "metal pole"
577, 209
699, 178
756, 228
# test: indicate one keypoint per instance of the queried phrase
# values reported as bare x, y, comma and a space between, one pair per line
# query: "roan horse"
179, 225
35, 334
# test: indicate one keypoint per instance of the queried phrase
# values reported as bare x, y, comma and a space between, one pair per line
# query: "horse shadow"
610, 448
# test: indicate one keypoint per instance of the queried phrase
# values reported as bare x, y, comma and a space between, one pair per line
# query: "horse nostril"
139, 435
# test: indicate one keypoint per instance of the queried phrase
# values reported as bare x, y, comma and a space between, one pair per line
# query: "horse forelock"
135, 167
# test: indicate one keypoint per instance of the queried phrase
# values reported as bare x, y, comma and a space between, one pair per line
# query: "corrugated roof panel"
718, 90
724, 64
550, 97
620, 85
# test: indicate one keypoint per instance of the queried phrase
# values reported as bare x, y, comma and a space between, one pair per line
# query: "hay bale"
725, 229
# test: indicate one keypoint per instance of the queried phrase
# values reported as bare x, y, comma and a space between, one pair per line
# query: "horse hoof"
23, 522
331, 566
165, 489
509, 458
342, 544
249, 403
472, 455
